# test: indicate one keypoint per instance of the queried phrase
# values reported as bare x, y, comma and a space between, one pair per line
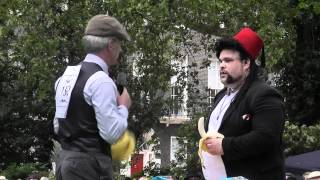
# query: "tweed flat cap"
105, 26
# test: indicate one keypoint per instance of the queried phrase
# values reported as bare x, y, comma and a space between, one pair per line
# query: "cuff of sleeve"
124, 110
221, 147
224, 145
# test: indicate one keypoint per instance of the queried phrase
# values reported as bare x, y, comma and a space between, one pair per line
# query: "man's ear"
247, 63
110, 45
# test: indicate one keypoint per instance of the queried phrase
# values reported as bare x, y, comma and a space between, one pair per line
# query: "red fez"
250, 41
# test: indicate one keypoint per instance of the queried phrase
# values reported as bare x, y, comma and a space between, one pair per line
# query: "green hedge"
301, 139
22, 171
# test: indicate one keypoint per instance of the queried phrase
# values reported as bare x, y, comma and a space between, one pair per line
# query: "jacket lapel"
229, 111
231, 108
217, 99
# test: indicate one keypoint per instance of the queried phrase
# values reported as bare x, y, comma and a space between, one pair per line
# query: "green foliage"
300, 139
271, 19
152, 169
309, 5
187, 161
39, 38
37, 46
22, 171
15, 172
299, 77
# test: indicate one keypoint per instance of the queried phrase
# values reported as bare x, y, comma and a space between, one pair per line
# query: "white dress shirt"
101, 93
213, 164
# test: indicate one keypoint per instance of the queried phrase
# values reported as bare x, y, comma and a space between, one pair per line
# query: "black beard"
232, 80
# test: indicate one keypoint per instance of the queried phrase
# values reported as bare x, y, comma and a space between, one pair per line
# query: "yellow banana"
201, 130
204, 136
124, 147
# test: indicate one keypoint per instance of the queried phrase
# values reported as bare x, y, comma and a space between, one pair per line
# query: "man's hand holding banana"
210, 142
214, 145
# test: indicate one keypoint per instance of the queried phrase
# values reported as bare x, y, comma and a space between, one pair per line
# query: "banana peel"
311, 175
124, 147
204, 135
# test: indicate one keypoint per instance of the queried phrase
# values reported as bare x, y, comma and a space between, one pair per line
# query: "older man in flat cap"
90, 113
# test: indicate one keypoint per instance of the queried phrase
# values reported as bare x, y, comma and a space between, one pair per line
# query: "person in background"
247, 112
90, 113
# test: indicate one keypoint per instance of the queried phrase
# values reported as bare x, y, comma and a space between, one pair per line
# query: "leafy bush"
301, 139
16, 171
22, 171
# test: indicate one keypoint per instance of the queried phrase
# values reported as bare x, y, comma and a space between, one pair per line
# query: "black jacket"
253, 148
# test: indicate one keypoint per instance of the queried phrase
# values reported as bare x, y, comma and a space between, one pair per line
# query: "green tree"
32, 53
39, 38
300, 78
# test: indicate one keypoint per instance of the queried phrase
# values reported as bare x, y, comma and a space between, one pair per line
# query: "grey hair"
94, 44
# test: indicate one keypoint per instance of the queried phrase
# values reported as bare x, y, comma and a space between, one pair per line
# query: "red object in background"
136, 164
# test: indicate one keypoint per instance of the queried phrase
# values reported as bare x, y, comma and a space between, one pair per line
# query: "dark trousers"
73, 165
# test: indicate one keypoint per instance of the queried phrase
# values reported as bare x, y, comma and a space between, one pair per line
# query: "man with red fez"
247, 112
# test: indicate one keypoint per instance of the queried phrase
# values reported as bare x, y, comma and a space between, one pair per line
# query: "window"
212, 94
214, 81
175, 148
175, 100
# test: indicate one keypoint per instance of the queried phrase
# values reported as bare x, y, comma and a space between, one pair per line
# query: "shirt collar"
231, 91
96, 59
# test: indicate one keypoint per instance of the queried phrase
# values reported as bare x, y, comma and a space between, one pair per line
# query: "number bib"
64, 89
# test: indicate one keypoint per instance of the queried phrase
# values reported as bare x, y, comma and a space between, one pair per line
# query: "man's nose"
222, 65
